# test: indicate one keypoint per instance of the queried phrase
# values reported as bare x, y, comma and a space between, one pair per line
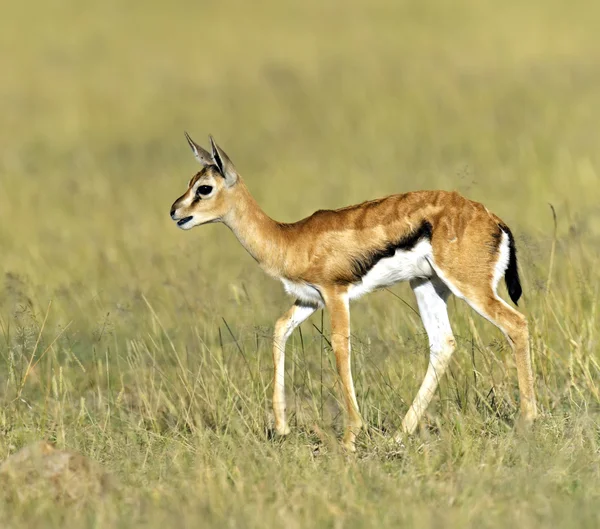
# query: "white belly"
303, 292
402, 266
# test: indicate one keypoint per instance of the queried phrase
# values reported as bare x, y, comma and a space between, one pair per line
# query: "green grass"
148, 349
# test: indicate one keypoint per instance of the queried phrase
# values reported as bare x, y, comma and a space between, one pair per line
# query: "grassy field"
147, 348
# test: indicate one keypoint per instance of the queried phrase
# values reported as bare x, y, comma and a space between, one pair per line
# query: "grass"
148, 349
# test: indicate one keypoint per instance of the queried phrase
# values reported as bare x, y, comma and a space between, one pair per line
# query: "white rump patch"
502, 263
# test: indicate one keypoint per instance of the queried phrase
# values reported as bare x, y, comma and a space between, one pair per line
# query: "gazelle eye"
203, 190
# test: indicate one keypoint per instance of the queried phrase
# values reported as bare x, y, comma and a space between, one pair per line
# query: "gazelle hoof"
349, 446
349, 441
525, 422
399, 439
282, 430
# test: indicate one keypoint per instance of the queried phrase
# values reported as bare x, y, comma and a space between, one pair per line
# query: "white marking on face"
189, 224
200, 184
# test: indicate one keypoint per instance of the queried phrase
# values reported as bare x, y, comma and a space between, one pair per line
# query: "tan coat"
439, 241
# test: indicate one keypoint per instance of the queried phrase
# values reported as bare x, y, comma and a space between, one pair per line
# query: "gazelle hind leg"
514, 326
472, 283
431, 295
283, 329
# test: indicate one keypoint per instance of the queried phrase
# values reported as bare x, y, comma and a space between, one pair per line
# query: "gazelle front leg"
283, 329
339, 310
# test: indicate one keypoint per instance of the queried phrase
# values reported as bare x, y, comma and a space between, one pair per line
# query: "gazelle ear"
201, 155
224, 164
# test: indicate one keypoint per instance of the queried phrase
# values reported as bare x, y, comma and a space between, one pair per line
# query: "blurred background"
319, 104
123, 335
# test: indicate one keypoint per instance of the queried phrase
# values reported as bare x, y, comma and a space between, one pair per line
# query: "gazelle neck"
258, 233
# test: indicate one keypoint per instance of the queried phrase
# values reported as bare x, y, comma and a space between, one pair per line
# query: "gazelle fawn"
438, 241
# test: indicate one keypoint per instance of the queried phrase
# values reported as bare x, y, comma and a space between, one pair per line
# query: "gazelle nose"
173, 213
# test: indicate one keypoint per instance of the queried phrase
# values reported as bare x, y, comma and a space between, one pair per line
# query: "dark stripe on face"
195, 178
204, 171
361, 264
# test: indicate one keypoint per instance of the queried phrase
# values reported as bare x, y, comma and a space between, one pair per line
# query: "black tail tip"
511, 276
514, 290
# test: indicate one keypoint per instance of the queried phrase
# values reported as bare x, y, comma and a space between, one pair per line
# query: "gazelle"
441, 242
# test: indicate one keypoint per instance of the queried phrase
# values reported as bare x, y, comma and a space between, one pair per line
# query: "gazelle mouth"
184, 220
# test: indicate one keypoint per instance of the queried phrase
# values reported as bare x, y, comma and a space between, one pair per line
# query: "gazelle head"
209, 196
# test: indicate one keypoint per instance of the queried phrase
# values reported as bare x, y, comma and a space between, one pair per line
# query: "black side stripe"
362, 263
